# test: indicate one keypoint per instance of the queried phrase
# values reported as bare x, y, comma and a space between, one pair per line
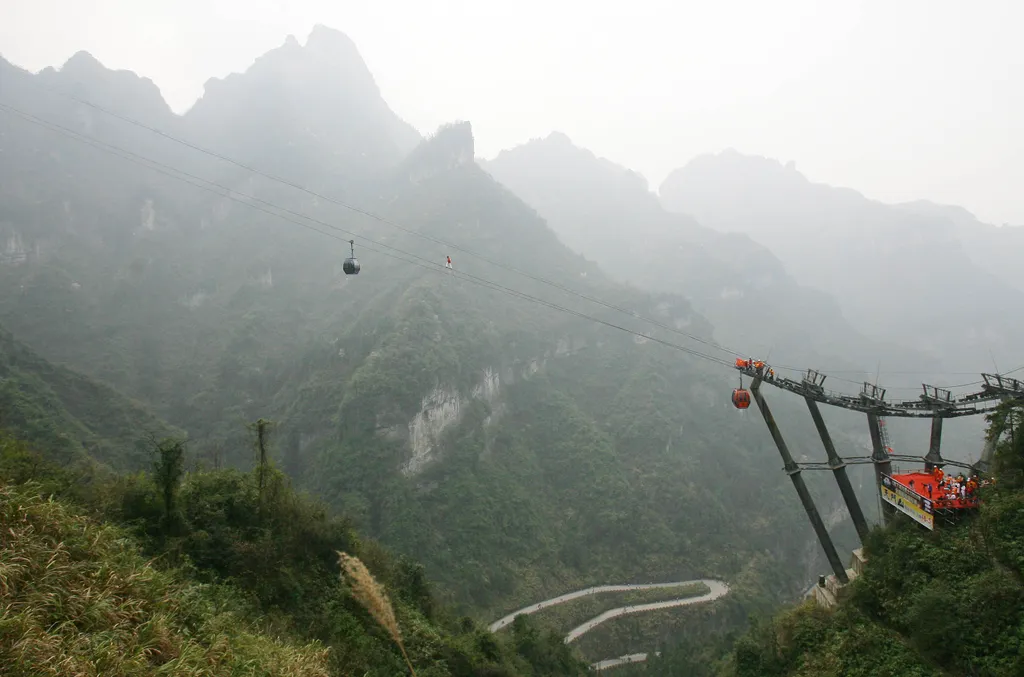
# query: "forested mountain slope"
74, 417
218, 572
516, 449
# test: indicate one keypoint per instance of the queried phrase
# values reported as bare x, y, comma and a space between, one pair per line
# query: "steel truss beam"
863, 460
934, 403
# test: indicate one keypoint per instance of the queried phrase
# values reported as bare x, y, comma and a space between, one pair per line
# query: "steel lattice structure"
935, 403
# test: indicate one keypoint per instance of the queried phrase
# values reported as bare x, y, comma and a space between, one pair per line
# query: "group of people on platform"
949, 488
762, 369
952, 488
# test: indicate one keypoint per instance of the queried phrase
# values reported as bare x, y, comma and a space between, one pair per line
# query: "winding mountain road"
716, 589
598, 589
622, 660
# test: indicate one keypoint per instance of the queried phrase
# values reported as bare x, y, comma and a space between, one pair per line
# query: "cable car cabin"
741, 398
922, 495
351, 265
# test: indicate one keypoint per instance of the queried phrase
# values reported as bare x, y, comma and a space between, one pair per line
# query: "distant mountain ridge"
900, 274
317, 98
995, 248
607, 212
132, 94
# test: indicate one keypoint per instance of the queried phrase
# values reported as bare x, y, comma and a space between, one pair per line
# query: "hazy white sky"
900, 99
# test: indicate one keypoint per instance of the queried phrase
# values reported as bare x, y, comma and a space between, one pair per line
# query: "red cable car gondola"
741, 397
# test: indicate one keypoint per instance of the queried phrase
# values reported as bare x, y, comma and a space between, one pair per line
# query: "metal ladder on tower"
883, 431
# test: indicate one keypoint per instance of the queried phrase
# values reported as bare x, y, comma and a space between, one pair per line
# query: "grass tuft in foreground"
77, 599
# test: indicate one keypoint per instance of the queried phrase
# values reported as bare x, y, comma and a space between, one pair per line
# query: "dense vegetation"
76, 419
929, 604
242, 579
77, 602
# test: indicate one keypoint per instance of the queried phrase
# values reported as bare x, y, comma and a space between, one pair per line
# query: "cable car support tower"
935, 403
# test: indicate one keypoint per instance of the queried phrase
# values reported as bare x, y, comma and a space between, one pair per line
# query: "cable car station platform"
899, 491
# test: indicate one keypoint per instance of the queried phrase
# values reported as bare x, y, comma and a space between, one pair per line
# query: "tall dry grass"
371, 595
77, 599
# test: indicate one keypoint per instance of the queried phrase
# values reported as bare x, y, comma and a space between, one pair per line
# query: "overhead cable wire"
437, 240
414, 259
247, 167
433, 266
390, 222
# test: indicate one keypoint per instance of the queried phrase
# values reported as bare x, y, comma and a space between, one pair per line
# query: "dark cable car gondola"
741, 396
351, 265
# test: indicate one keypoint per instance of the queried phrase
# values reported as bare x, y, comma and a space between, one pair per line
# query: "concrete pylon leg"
798, 482
839, 470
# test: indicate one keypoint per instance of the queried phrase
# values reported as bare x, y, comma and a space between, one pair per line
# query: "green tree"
168, 470
261, 428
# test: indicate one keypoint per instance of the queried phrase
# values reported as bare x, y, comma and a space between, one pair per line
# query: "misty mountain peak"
82, 62
457, 135
725, 173
329, 61
559, 160
555, 147
325, 39
320, 98
732, 165
454, 141
451, 146
87, 69
559, 139
122, 90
